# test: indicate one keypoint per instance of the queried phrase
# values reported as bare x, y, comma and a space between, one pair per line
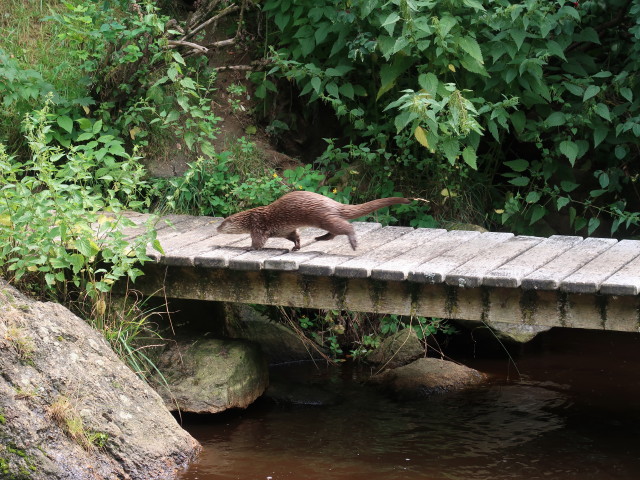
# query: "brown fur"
283, 217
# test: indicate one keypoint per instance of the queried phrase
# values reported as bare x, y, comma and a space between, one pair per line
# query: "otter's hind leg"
295, 238
340, 227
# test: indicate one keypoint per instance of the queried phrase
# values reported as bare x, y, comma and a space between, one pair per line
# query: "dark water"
572, 412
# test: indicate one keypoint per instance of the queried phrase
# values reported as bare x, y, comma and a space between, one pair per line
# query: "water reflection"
534, 428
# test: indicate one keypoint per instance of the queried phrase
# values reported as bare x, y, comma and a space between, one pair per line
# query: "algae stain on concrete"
239, 286
563, 306
601, 304
272, 283
305, 283
377, 289
451, 300
485, 299
414, 295
528, 306
339, 287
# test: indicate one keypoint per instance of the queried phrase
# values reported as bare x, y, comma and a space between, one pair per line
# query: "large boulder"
208, 375
426, 376
399, 349
70, 409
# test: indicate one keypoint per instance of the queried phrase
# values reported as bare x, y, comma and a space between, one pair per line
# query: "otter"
293, 210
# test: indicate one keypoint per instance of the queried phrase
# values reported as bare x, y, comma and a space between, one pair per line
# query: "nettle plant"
60, 216
535, 100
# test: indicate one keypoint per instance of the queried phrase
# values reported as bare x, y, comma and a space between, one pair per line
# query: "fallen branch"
239, 68
226, 11
194, 46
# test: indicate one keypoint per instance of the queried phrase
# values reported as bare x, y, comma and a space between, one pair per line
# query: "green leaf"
77, 261
603, 111
519, 165
620, 152
519, 120
86, 247
451, 149
282, 19
157, 247
390, 22
347, 90
178, 58
568, 186
65, 123
590, 92
321, 32
332, 89
470, 46
600, 132
537, 212
520, 181
570, 150
626, 93
562, 202
574, 89
593, 224
533, 197
555, 49
475, 4
556, 119
316, 83
587, 34
469, 156
518, 36
429, 83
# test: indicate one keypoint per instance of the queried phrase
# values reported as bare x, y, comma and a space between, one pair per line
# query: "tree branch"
194, 46
215, 18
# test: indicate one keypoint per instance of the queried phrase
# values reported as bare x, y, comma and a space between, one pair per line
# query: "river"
568, 408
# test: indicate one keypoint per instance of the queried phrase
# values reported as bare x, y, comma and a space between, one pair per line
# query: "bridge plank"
368, 236
471, 274
428, 244
184, 234
510, 274
550, 275
187, 254
588, 278
436, 269
400, 239
625, 281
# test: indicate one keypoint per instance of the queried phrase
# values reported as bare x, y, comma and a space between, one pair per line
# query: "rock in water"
207, 375
426, 376
70, 409
398, 349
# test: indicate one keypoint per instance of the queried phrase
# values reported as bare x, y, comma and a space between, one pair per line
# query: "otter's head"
237, 223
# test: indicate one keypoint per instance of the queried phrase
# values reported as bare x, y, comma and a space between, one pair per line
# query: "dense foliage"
525, 110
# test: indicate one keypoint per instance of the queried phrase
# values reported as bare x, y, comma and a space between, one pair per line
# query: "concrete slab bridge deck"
520, 282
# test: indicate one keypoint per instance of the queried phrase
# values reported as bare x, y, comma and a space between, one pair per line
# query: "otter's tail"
350, 212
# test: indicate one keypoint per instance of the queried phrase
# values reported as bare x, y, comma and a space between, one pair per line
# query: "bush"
529, 108
60, 216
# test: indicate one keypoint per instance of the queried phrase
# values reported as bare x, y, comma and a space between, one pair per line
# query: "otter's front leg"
258, 239
295, 238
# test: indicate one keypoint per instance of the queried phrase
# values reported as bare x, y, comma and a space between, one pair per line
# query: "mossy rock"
212, 375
